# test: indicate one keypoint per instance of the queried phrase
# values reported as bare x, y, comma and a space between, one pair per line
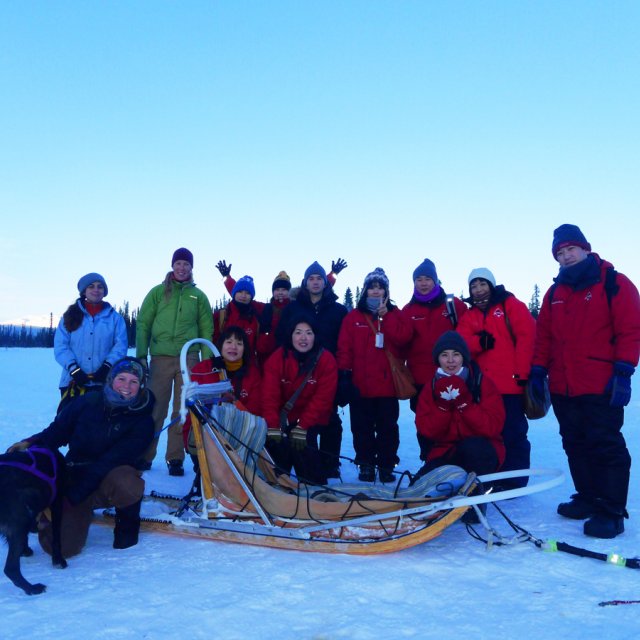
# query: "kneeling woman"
299, 387
107, 434
460, 411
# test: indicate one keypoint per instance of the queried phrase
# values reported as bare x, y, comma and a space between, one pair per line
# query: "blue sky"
273, 134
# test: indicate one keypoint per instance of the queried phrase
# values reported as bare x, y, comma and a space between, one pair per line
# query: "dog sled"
244, 499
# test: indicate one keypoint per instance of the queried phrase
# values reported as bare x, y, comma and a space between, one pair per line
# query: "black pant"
331, 442
472, 454
599, 461
374, 425
516, 444
306, 462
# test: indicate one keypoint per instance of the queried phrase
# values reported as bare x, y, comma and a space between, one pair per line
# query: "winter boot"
367, 473
175, 468
578, 508
386, 475
125, 533
471, 517
604, 525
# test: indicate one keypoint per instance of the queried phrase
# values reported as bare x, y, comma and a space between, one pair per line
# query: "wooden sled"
245, 500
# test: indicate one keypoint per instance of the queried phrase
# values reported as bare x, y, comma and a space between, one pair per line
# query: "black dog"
30, 481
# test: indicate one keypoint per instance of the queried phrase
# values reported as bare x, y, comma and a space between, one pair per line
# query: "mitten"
101, 374
79, 376
298, 438
537, 377
338, 266
463, 398
487, 341
620, 384
223, 268
442, 391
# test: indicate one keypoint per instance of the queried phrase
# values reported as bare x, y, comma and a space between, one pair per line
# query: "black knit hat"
451, 340
568, 235
182, 254
282, 281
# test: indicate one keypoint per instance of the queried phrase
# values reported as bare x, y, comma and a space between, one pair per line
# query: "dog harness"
33, 469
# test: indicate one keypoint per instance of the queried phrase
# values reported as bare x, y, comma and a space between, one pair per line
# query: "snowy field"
451, 587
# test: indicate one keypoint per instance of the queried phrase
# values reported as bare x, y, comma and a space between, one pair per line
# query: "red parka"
580, 336
281, 378
428, 322
513, 327
231, 316
446, 428
357, 351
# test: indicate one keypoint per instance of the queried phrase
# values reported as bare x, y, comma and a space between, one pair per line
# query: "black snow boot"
578, 508
607, 522
125, 533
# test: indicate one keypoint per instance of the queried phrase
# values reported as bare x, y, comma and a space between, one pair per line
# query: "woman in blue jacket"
90, 337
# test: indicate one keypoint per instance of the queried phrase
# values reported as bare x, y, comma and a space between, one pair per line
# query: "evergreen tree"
534, 304
348, 299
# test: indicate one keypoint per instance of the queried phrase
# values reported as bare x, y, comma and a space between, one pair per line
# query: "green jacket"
164, 325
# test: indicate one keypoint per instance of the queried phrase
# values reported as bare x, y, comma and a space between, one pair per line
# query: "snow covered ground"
451, 587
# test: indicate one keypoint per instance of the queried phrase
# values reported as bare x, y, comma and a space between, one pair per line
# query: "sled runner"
245, 499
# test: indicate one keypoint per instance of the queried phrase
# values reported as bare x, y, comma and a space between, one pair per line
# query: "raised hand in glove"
338, 266
620, 384
487, 341
79, 376
223, 268
298, 438
537, 377
101, 374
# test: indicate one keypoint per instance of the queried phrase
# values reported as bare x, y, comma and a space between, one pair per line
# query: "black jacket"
100, 438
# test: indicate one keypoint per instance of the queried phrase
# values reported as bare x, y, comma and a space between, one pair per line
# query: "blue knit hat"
244, 284
90, 278
426, 268
314, 269
568, 235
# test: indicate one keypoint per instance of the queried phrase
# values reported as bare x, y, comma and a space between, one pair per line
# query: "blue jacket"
99, 338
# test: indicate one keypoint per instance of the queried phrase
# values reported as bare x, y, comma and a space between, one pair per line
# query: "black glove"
79, 376
223, 268
620, 384
338, 266
101, 374
487, 341
346, 391
537, 377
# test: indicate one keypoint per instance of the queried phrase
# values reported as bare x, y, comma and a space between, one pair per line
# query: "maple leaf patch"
450, 393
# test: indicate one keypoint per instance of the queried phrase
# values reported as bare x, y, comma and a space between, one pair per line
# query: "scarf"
432, 295
581, 275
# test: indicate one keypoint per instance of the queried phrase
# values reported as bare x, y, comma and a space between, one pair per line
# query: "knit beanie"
568, 235
377, 275
451, 340
483, 274
90, 278
244, 284
426, 268
282, 281
126, 365
314, 270
182, 254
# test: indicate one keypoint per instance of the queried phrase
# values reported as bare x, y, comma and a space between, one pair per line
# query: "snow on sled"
244, 499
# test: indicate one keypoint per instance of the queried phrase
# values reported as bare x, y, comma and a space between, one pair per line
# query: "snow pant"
599, 460
165, 379
122, 487
306, 462
424, 443
472, 454
374, 425
331, 442
516, 443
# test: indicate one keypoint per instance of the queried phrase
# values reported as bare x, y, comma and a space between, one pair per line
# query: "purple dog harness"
33, 469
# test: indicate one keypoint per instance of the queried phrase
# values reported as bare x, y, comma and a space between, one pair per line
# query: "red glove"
451, 392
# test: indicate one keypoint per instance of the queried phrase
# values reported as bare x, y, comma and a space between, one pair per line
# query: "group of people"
297, 358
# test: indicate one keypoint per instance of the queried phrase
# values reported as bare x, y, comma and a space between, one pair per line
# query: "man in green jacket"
171, 314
